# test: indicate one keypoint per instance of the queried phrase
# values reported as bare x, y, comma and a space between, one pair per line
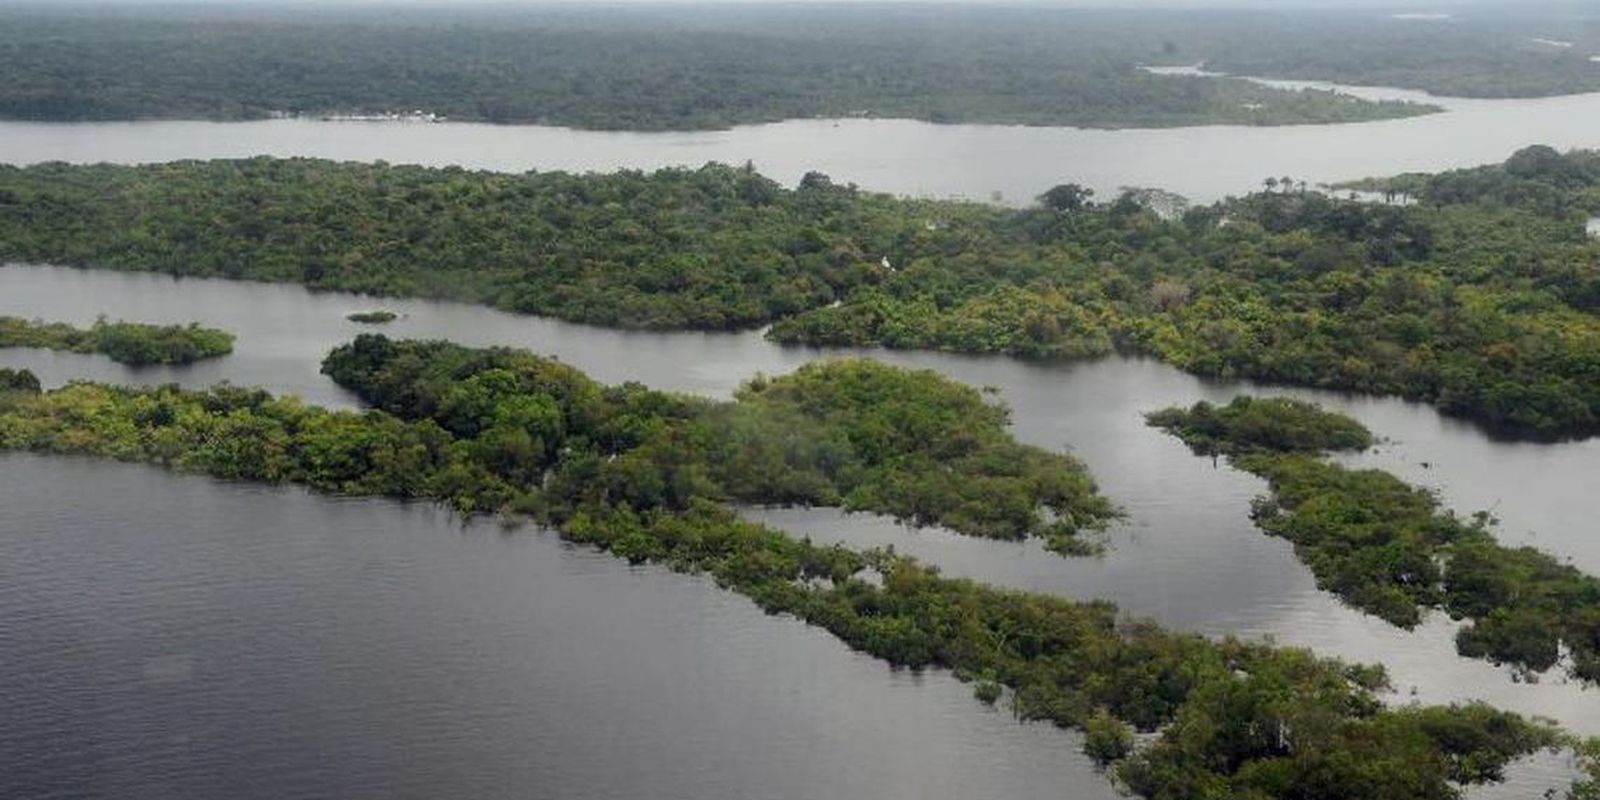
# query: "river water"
172, 636
1187, 556
175, 638
980, 162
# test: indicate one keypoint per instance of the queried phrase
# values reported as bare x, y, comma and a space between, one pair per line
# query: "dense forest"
1488, 50
1388, 549
693, 69
1479, 297
633, 471
848, 433
124, 342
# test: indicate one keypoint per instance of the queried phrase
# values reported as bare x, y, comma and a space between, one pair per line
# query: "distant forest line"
618, 71
688, 67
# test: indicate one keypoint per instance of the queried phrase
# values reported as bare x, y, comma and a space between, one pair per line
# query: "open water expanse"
981, 162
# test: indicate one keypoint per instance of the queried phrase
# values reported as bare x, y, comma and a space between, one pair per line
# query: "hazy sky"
1384, 4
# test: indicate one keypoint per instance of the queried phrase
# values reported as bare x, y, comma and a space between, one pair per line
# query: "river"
983, 162
172, 636
1187, 556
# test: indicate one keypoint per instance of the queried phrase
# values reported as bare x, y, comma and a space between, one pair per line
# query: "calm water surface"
172, 637
900, 156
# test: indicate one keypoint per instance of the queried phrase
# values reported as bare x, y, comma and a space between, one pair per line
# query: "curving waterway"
1187, 556
176, 637
983, 162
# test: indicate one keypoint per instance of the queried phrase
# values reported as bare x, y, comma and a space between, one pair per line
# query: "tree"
1106, 738
1067, 198
18, 380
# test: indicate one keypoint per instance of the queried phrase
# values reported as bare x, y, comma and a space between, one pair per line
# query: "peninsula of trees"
645, 475
130, 343
1387, 548
1479, 297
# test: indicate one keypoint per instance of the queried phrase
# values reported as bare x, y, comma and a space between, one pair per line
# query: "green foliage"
987, 690
18, 380
1248, 424
713, 248
1492, 51
373, 317
854, 433
124, 342
629, 70
1480, 299
1388, 549
1226, 718
1588, 787
1106, 739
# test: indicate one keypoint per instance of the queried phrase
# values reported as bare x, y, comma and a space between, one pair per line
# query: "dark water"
980, 162
174, 637
1188, 556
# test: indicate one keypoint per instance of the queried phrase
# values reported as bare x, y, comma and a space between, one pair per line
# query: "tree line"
627, 70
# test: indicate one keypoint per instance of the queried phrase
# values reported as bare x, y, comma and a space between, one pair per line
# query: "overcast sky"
1383, 4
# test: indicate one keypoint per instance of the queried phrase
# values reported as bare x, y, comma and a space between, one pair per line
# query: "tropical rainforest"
1478, 294
1387, 548
634, 69
697, 67
644, 475
131, 343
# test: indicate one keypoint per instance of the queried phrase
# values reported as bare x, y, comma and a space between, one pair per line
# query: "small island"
377, 316
132, 343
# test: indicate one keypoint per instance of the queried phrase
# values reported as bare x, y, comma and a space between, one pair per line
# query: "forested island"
645, 475
1479, 296
132, 343
1387, 548
635, 69
377, 316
